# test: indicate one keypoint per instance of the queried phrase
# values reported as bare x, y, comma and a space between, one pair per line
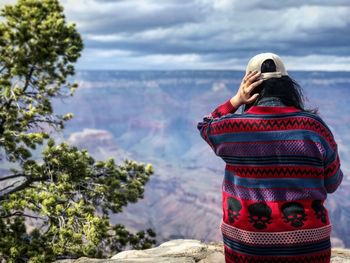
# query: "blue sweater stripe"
274, 182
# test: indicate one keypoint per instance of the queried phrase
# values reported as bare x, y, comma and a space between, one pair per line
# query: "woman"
281, 161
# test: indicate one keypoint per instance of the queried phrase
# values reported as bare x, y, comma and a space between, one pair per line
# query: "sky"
210, 34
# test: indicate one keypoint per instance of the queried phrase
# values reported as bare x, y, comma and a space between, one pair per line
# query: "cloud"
272, 4
171, 34
5, 2
128, 16
318, 62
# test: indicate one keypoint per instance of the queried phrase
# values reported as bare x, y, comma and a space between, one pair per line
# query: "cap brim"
269, 75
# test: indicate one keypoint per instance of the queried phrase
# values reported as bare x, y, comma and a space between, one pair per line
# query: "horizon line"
235, 70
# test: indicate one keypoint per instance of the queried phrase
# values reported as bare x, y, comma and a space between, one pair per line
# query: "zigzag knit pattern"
241, 125
275, 171
280, 164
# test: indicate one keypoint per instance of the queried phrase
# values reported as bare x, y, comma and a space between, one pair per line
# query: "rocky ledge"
185, 251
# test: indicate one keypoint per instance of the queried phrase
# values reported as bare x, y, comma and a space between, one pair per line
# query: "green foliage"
37, 52
67, 193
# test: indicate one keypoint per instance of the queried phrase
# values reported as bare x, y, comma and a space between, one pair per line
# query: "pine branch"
12, 176
20, 213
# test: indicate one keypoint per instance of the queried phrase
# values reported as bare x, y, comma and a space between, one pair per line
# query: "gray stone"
340, 255
155, 260
131, 260
82, 260
175, 248
215, 257
185, 251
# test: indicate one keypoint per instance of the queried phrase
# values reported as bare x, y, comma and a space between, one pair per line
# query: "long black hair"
284, 88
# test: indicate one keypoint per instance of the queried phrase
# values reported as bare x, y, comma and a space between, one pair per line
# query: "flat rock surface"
185, 251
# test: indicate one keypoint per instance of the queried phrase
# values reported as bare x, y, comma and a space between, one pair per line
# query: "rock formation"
185, 251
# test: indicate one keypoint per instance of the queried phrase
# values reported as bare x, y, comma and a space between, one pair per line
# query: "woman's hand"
249, 82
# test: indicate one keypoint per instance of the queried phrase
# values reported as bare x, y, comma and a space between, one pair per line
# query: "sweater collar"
272, 109
271, 105
269, 101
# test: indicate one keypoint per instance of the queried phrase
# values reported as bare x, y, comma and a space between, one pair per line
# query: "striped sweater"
280, 164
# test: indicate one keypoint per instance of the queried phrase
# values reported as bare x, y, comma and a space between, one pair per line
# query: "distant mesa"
91, 136
219, 87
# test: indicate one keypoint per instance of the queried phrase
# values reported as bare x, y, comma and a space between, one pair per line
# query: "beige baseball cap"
256, 62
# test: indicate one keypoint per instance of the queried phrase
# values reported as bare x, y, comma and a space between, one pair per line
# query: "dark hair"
285, 88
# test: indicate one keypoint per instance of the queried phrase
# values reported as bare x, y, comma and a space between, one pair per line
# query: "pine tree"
67, 192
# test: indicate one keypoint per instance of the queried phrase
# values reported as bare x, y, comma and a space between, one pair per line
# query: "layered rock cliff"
185, 251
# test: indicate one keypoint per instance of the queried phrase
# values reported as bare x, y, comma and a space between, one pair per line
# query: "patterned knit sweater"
280, 164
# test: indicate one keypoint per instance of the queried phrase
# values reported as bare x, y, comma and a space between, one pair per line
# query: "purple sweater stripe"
273, 194
271, 148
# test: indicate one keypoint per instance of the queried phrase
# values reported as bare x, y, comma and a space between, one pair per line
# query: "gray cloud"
296, 31
272, 4
209, 33
108, 17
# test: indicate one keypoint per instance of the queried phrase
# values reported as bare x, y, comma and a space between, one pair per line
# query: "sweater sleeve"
204, 126
333, 174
